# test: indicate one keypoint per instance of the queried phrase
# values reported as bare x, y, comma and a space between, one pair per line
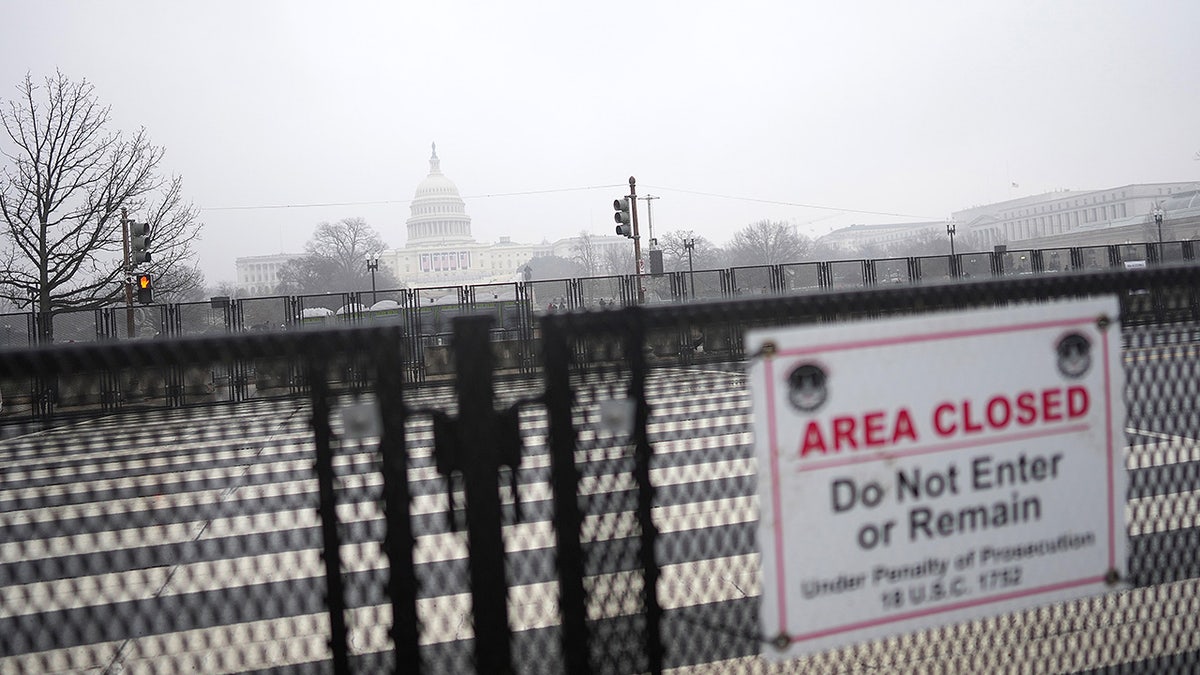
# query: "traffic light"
621, 206
139, 242
145, 289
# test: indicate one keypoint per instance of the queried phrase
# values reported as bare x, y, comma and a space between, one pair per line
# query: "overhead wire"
796, 204
522, 193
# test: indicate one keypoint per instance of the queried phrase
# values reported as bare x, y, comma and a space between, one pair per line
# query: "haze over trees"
335, 261
768, 242
66, 177
704, 254
586, 254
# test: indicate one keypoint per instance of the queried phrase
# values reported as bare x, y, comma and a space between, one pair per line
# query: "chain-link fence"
705, 509
600, 516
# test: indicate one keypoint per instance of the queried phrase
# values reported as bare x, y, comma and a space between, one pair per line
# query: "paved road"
189, 540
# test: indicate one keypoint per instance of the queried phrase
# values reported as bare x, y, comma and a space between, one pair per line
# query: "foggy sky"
914, 109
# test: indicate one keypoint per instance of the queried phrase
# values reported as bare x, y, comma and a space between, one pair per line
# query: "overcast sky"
729, 112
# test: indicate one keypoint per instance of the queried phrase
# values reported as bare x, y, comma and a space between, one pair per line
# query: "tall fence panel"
202, 538
703, 482
599, 518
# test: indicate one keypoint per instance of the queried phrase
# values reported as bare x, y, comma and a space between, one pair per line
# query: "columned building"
858, 238
440, 248
1065, 217
1067, 211
259, 275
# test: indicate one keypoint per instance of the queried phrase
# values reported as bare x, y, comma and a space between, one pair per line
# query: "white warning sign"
925, 470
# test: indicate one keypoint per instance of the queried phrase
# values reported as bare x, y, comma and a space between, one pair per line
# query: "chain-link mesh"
705, 507
605, 414
262, 314
167, 539
290, 501
203, 318
157, 536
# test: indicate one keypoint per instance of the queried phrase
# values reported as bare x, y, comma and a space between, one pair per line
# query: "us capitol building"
440, 249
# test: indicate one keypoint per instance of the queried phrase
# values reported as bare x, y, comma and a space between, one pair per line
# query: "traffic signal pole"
637, 240
128, 270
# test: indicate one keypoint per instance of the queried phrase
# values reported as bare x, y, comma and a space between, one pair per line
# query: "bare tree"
704, 254
181, 283
226, 288
65, 180
586, 253
336, 260
768, 243
616, 260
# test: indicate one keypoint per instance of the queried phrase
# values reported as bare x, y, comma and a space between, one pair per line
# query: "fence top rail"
918, 297
318, 344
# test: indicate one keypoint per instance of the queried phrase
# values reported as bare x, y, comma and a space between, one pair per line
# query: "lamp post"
1158, 218
373, 264
690, 244
950, 229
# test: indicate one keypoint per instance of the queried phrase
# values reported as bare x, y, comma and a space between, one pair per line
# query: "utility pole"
649, 217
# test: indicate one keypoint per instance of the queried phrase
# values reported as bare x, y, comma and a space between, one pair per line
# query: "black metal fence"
314, 500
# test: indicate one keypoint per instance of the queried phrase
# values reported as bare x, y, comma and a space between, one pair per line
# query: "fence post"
322, 439
399, 540
473, 360
634, 347
564, 482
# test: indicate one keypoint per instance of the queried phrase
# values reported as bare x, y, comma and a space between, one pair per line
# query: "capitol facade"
441, 250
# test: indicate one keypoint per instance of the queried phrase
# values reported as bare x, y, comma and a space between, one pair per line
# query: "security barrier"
314, 500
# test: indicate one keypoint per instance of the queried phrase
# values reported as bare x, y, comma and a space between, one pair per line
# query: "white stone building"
1054, 213
259, 275
856, 238
440, 249
1066, 217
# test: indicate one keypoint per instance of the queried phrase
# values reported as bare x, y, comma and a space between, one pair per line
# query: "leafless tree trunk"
768, 243
64, 183
348, 243
704, 254
335, 260
586, 254
617, 260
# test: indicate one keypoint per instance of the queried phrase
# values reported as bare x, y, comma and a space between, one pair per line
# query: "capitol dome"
439, 215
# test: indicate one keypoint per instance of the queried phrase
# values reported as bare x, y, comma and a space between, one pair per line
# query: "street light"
690, 244
950, 228
373, 264
1158, 218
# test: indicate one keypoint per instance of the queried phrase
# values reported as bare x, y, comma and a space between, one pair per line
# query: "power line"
299, 206
543, 192
406, 201
798, 204
524, 193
